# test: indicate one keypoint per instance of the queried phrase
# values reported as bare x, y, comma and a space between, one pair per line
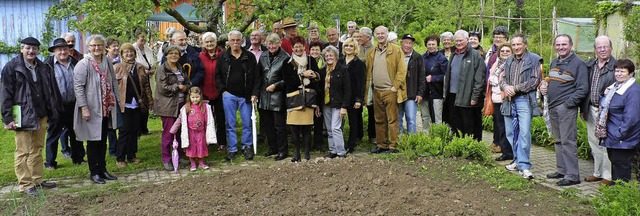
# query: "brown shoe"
592, 179
606, 182
121, 164
135, 160
495, 148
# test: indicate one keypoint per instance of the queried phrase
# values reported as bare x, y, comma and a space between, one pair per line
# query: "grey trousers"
333, 122
565, 131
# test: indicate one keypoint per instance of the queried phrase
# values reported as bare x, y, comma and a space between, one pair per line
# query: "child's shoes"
204, 166
193, 168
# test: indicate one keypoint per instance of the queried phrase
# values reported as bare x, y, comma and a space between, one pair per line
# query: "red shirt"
209, 86
286, 46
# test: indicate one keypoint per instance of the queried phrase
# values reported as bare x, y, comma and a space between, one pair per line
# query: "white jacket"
210, 130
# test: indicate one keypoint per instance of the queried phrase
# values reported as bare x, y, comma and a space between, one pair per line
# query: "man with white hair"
366, 34
351, 27
70, 38
189, 58
386, 69
464, 87
238, 80
601, 75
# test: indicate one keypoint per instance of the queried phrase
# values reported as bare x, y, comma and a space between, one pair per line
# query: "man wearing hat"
290, 30
62, 64
28, 90
416, 84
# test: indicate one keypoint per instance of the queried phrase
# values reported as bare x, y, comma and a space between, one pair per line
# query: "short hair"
563, 35
111, 41
313, 26
521, 35
140, 32
95, 37
432, 38
332, 49
462, 33
383, 28
209, 34
170, 48
446, 35
273, 38
316, 44
625, 64
603, 37
332, 29
351, 22
476, 34
127, 46
501, 30
366, 31
176, 33
67, 34
297, 39
170, 31
505, 45
234, 32
352, 41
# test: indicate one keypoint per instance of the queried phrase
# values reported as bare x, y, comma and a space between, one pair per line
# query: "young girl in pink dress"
199, 129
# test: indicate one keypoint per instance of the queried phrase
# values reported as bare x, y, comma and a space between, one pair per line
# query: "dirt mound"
352, 186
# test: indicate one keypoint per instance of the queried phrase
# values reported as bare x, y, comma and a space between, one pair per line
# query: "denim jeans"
232, 104
409, 110
333, 122
522, 149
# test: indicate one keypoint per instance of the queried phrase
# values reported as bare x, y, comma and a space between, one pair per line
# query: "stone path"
543, 161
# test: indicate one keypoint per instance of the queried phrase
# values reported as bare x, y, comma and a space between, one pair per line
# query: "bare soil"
352, 186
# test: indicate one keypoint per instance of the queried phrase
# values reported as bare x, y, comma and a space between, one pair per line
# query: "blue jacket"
623, 120
436, 65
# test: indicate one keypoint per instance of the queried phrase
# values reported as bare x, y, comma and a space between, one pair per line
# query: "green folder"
17, 115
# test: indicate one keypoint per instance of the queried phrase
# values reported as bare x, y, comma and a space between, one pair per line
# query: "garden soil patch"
352, 186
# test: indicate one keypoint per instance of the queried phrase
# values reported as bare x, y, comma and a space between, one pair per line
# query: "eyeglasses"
96, 45
603, 48
499, 37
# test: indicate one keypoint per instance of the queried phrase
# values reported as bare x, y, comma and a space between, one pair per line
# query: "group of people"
303, 85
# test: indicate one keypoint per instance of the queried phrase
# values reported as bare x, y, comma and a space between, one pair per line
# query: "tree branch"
190, 26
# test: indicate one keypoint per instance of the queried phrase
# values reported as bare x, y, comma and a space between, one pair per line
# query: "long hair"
197, 91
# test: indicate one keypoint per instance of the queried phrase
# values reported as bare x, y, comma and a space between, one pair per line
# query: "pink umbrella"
174, 155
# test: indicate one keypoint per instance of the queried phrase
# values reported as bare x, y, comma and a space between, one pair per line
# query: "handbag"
488, 103
301, 98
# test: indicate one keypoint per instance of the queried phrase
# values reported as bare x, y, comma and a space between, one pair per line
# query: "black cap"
59, 42
408, 36
30, 41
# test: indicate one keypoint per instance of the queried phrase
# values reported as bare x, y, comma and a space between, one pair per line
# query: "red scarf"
108, 98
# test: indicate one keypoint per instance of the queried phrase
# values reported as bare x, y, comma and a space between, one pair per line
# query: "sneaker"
204, 166
526, 174
248, 153
168, 166
231, 155
50, 167
135, 161
66, 154
31, 192
512, 166
193, 168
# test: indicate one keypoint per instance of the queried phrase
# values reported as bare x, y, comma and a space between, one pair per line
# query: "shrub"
443, 131
619, 199
487, 123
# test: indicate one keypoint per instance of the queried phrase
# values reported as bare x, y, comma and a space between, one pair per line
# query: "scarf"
603, 111
301, 62
106, 90
327, 84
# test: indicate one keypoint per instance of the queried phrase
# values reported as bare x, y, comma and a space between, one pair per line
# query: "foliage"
420, 145
6, 49
468, 148
442, 131
487, 123
619, 199
631, 29
501, 179
118, 19
604, 9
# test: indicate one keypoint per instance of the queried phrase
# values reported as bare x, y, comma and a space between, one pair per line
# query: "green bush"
468, 148
619, 199
443, 131
487, 123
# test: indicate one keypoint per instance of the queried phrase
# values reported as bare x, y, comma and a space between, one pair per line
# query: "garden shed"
582, 30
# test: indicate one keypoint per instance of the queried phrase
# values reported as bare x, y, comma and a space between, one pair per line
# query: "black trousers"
371, 128
275, 129
96, 151
144, 119
128, 139
219, 118
621, 161
301, 136
355, 126
463, 120
55, 130
499, 132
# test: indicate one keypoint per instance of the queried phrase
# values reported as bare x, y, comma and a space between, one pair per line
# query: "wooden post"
509, 19
493, 21
540, 21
